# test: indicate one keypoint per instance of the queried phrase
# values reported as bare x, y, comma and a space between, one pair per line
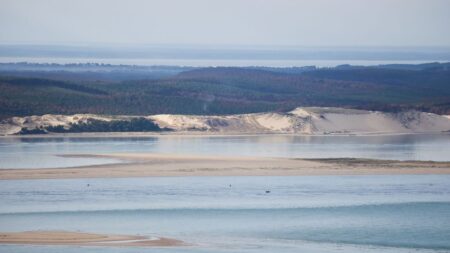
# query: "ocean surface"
300, 214
214, 62
26, 152
317, 214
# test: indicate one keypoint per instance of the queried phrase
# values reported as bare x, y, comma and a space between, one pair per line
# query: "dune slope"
302, 120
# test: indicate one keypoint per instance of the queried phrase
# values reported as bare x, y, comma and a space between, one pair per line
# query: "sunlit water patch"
43, 152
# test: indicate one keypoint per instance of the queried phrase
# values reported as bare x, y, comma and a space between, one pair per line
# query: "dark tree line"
94, 125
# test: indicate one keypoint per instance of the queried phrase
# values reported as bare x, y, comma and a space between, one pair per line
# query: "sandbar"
166, 165
84, 239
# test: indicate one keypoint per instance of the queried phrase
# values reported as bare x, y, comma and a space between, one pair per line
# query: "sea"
382, 213
277, 63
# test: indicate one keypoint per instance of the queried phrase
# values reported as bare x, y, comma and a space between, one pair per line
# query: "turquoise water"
41, 152
300, 214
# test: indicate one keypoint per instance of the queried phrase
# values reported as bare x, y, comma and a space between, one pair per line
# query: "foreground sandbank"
155, 165
84, 239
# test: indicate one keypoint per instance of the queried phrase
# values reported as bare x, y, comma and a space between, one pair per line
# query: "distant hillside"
207, 91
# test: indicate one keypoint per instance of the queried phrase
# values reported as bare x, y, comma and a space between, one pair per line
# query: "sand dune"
302, 120
311, 120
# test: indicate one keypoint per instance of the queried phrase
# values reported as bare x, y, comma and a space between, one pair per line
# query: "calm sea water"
23, 152
300, 214
212, 62
403, 213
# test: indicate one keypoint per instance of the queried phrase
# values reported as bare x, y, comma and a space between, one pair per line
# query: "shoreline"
168, 165
207, 134
85, 239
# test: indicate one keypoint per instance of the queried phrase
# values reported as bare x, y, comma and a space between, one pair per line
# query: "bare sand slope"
311, 120
83, 239
302, 120
154, 165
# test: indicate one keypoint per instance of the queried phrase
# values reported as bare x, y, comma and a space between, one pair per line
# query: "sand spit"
157, 165
84, 239
302, 120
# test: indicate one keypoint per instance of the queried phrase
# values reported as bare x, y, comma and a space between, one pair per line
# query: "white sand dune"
302, 120
311, 120
15, 124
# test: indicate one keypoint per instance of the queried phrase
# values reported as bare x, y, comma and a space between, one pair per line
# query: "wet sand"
156, 165
84, 239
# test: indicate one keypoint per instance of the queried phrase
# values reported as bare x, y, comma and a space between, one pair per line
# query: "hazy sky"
228, 22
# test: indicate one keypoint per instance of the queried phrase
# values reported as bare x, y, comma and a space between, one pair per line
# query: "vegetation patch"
222, 91
94, 125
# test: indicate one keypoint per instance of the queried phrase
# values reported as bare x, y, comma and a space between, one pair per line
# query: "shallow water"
300, 214
403, 213
23, 152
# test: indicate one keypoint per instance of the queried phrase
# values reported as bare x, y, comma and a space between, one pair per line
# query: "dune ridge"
302, 120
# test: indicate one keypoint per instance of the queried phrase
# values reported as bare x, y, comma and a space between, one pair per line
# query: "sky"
332, 23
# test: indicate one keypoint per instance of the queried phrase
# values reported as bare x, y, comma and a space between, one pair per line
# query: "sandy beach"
84, 239
157, 165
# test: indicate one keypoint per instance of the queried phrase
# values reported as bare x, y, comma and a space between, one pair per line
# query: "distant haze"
329, 23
